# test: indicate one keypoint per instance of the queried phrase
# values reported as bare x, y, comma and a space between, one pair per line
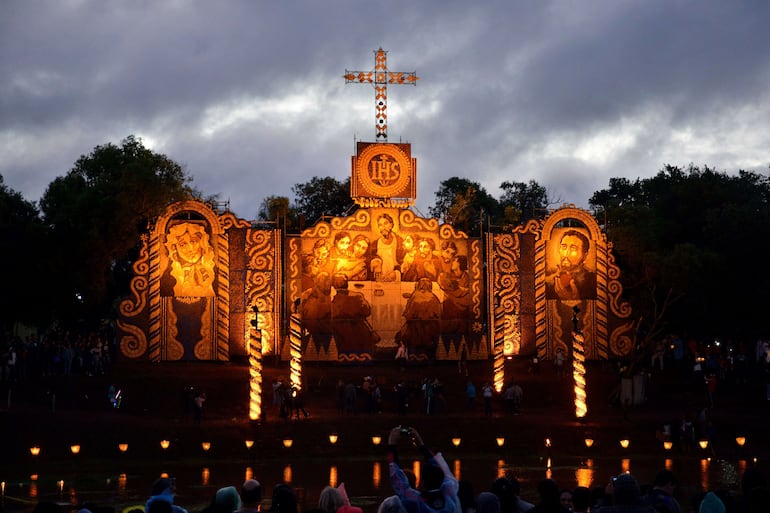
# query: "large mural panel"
384, 278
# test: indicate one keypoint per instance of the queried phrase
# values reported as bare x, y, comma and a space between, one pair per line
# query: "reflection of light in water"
457, 469
500, 468
742, 464
625, 465
122, 480
548, 473
249, 474
669, 464
704, 474
376, 474
287, 474
416, 470
584, 477
205, 476
333, 476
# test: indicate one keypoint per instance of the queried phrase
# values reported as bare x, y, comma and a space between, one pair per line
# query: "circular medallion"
383, 170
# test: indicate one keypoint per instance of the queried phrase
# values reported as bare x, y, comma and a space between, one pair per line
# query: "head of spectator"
582, 499
391, 504
330, 499
226, 500
711, 504
625, 490
251, 495
487, 502
548, 491
284, 500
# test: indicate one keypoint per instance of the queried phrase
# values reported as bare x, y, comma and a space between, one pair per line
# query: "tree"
688, 242
323, 197
278, 210
96, 214
463, 204
24, 255
521, 202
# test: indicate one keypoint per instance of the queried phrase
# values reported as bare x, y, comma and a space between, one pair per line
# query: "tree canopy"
687, 242
96, 214
26, 256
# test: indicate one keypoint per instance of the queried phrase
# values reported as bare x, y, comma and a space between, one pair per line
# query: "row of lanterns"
377, 440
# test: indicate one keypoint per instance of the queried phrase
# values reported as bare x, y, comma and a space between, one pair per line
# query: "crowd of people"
57, 353
436, 490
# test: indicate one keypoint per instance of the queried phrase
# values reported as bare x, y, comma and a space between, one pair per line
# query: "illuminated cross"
381, 77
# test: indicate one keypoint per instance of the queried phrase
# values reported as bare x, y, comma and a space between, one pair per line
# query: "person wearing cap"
711, 503
439, 486
662, 494
163, 490
251, 496
626, 496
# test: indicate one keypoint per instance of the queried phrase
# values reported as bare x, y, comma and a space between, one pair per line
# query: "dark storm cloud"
249, 95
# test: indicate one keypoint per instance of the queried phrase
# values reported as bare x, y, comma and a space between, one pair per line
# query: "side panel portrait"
187, 282
570, 265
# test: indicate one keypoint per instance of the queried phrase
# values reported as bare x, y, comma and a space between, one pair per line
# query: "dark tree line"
691, 245
69, 259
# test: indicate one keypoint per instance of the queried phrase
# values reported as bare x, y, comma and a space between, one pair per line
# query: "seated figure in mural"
422, 320
456, 308
191, 260
387, 252
350, 324
426, 264
410, 251
317, 261
447, 255
570, 280
316, 310
355, 266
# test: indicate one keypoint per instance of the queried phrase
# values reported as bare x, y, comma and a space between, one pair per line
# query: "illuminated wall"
198, 274
382, 277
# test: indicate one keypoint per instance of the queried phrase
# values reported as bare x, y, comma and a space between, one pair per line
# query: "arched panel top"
571, 212
193, 209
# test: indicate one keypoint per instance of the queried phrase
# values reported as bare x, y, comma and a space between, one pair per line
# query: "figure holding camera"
438, 491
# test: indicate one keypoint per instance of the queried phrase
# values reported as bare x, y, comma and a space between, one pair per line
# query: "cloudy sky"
248, 95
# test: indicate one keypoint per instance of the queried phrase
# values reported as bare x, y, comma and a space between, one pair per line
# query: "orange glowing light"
547, 442
75, 449
667, 445
589, 442
333, 439
376, 440
249, 444
500, 441
35, 450
165, 444
740, 440
456, 441
206, 446
123, 447
625, 443
703, 443
288, 442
